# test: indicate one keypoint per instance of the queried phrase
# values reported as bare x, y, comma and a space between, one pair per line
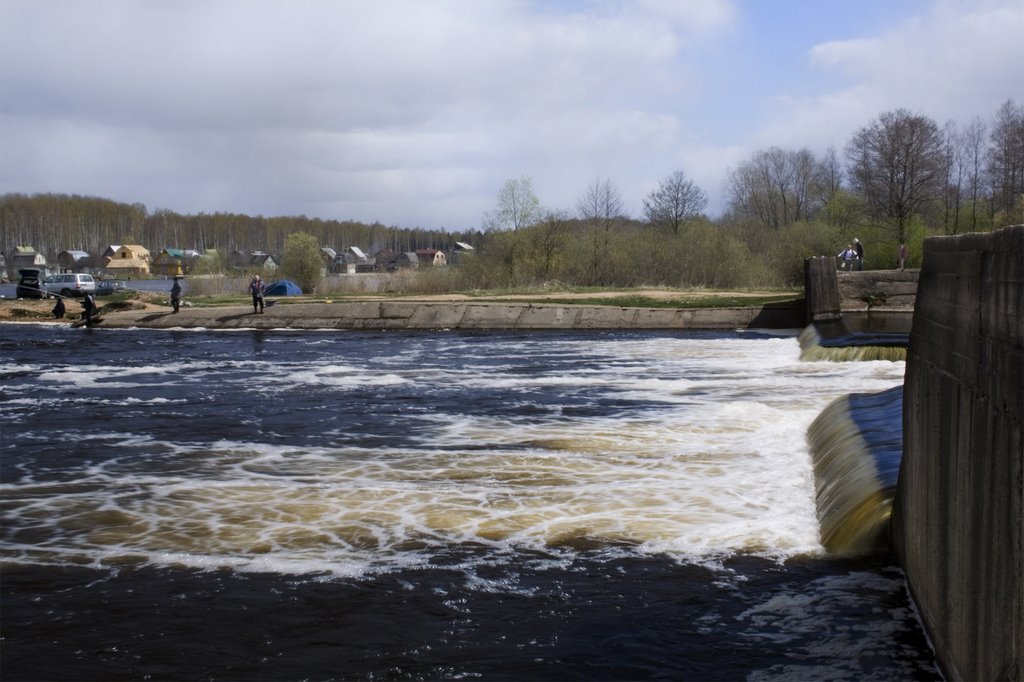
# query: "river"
356, 505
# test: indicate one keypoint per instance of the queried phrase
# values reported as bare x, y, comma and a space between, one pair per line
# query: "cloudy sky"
415, 113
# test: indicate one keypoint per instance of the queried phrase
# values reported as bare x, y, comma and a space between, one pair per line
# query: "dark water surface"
277, 505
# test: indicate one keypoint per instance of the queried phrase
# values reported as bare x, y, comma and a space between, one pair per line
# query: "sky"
416, 113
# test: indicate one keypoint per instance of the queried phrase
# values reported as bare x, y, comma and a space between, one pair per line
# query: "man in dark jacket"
256, 288
176, 294
89, 305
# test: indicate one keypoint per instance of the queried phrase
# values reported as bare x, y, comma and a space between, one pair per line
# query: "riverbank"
555, 310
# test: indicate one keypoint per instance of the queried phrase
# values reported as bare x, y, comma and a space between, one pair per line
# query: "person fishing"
257, 288
176, 294
89, 305
58, 308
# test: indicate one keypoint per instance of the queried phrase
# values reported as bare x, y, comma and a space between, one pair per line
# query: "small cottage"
128, 260
73, 261
170, 262
431, 257
24, 257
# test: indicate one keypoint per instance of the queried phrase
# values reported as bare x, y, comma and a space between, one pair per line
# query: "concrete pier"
958, 516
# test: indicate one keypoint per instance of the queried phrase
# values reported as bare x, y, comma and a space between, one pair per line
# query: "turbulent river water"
355, 505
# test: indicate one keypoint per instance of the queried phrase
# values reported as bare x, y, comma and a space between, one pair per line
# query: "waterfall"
834, 342
856, 444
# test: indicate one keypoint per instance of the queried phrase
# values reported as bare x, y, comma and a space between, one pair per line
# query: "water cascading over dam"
856, 444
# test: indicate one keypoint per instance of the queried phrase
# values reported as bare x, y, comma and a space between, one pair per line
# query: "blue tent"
284, 287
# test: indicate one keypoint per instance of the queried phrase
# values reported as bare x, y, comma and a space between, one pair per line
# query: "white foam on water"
335, 375
719, 465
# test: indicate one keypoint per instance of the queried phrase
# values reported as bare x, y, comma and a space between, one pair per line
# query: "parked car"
30, 284
105, 287
69, 284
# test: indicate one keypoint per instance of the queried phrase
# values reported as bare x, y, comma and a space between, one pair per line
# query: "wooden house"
24, 257
73, 261
170, 262
127, 260
431, 257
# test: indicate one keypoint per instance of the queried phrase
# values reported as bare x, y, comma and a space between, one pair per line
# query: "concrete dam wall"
958, 519
406, 315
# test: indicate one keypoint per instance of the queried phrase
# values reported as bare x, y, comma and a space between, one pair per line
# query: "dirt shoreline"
40, 310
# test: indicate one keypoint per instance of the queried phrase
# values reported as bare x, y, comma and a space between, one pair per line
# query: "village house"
431, 257
352, 260
24, 257
127, 260
170, 262
263, 261
73, 260
240, 261
457, 252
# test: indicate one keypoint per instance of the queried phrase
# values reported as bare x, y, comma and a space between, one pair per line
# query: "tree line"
901, 177
52, 223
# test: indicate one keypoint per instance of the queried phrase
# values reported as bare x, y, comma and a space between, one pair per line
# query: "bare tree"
1006, 157
828, 184
602, 210
965, 154
775, 187
896, 164
676, 201
953, 165
973, 142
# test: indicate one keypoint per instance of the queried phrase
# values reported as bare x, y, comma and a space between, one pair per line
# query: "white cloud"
415, 113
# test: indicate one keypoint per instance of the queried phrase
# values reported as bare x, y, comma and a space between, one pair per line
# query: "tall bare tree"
775, 187
1006, 157
676, 201
601, 209
972, 148
897, 165
954, 167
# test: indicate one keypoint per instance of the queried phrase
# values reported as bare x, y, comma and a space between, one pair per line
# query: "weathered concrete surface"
886, 289
821, 289
958, 525
830, 294
382, 315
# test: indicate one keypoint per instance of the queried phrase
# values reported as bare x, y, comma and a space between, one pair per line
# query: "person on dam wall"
847, 257
859, 249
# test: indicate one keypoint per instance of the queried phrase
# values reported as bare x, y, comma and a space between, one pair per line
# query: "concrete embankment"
400, 315
958, 516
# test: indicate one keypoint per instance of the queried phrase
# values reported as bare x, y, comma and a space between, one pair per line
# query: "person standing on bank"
859, 248
256, 288
176, 294
901, 255
89, 304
